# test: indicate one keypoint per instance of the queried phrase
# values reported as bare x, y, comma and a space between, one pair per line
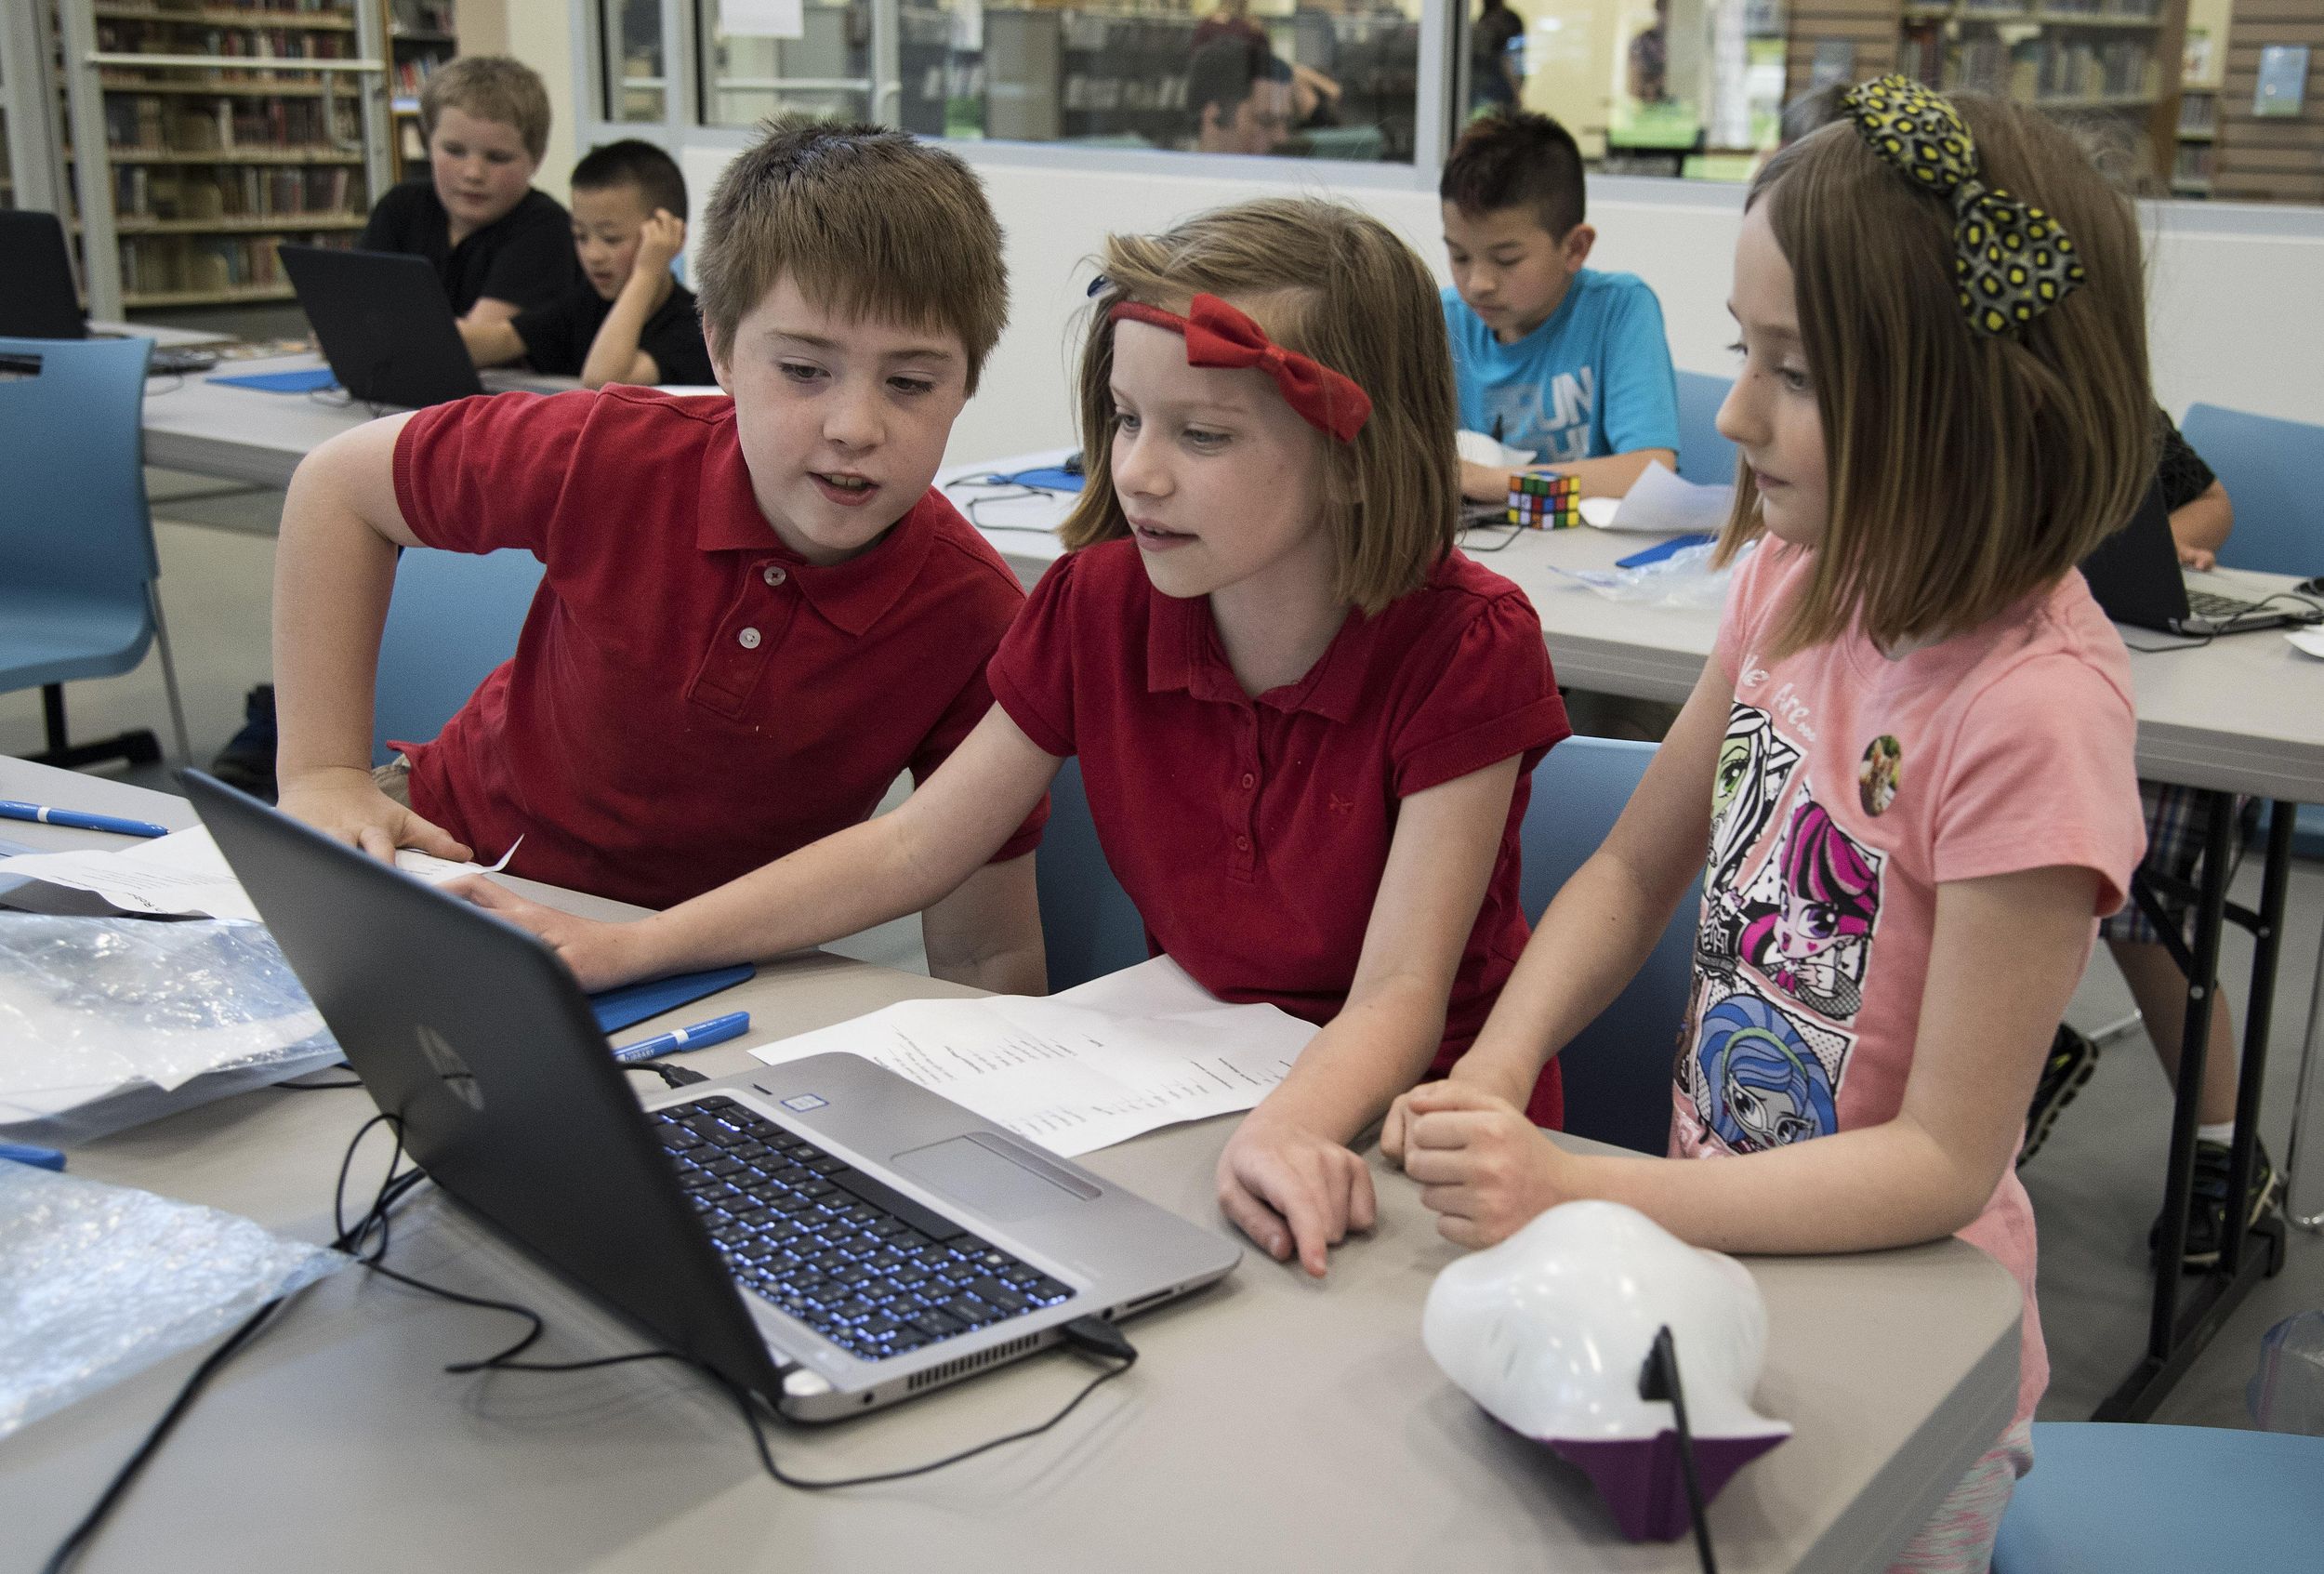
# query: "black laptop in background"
39, 300
383, 324
2135, 577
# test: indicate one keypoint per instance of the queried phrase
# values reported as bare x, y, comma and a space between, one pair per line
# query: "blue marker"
718, 1030
38, 1157
72, 819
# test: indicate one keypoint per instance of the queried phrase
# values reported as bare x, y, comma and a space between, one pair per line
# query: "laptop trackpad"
998, 1180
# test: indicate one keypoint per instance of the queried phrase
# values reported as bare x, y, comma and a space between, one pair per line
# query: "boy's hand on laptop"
344, 802
660, 239
2197, 558
601, 955
1484, 1169
1293, 1190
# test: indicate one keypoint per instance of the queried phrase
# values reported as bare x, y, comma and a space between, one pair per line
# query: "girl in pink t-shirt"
1911, 758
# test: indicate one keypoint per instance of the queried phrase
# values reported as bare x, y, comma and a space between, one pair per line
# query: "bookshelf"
2113, 61
422, 34
203, 133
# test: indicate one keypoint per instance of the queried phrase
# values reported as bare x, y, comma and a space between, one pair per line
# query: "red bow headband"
1218, 334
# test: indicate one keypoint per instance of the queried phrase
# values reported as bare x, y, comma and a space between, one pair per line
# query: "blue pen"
718, 1030
38, 1157
73, 819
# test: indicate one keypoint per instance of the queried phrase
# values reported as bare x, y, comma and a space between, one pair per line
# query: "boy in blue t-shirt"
1549, 356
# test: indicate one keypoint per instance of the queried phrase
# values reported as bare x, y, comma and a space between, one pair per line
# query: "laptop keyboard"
2214, 608
865, 1265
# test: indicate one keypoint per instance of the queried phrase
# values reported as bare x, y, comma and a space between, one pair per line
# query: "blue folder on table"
617, 1008
306, 379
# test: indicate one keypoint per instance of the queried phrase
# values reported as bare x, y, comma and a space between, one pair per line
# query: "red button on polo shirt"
690, 699
1252, 833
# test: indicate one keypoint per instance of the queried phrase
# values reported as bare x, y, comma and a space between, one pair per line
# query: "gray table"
1271, 1424
203, 426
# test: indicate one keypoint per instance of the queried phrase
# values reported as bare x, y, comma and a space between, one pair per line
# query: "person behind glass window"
1241, 96
1494, 78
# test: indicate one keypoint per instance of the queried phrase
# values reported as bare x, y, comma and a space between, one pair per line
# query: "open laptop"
42, 301
823, 1234
383, 324
2135, 577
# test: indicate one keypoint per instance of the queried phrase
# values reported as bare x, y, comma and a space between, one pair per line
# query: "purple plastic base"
1641, 1480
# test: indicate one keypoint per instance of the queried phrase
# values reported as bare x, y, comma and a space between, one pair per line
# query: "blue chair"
1088, 921
2269, 467
454, 619
78, 597
1705, 457
2163, 1499
1617, 1070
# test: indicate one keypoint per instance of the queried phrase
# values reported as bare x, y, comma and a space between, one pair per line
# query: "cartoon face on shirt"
1807, 930
1754, 766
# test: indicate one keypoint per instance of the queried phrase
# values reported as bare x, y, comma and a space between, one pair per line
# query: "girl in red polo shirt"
1911, 756
1305, 721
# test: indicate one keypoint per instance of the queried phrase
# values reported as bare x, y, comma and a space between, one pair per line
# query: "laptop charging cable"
367, 1240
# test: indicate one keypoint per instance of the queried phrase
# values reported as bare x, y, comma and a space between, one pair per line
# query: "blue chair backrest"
2270, 467
456, 616
1086, 918
72, 509
1705, 457
1617, 1070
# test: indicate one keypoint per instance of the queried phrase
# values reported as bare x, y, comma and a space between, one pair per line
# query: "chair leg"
169, 673
138, 747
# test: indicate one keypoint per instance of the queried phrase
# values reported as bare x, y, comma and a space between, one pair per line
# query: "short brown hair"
1333, 284
1965, 470
490, 88
1516, 158
867, 221
632, 163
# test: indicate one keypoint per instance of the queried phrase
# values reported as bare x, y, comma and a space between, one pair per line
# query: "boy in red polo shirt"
755, 614
1304, 719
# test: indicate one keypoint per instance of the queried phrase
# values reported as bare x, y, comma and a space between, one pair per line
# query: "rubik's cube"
1544, 502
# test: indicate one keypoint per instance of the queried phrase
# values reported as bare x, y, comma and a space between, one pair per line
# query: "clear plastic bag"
1683, 579
105, 1023
98, 1281
2286, 1392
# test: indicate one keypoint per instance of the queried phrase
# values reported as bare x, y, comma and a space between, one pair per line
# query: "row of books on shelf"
119, 38
286, 192
2193, 166
180, 264
411, 75
2033, 69
2198, 113
345, 9
142, 120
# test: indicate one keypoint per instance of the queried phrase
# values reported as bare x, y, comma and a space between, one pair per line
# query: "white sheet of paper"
2307, 641
1661, 503
1120, 1056
763, 18
184, 872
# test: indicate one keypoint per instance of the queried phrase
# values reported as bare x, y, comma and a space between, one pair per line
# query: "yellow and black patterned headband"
2011, 261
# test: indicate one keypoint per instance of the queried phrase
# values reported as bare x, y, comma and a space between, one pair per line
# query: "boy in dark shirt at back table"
498, 246
629, 321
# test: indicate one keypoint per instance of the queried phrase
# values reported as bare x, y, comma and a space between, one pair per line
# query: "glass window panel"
1245, 76
824, 70
635, 87
1704, 88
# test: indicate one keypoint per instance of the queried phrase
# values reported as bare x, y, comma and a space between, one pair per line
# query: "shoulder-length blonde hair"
1963, 472
1335, 285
